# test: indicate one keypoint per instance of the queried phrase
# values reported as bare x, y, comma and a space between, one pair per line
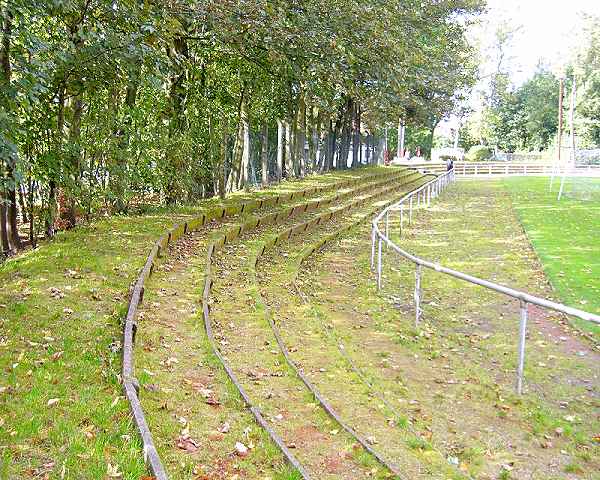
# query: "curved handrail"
424, 194
130, 383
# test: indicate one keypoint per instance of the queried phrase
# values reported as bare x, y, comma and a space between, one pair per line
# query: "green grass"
66, 345
68, 348
565, 236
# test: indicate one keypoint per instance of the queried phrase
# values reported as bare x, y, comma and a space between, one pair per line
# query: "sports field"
565, 235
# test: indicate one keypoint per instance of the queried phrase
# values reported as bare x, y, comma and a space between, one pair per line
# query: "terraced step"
271, 386
451, 382
173, 360
323, 361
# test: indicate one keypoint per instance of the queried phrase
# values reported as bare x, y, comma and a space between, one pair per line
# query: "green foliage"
479, 153
106, 105
525, 118
587, 72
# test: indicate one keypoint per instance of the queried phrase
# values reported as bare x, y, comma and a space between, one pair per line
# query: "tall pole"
561, 94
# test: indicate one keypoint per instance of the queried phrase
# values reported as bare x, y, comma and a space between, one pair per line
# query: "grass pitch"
565, 236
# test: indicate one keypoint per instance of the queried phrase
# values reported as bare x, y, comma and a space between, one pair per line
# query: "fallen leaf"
241, 449
57, 355
185, 442
225, 428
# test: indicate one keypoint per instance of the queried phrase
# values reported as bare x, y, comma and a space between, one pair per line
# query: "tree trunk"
333, 134
289, 157
67, 210
32, 233
235, 173
280, 149
245, 126
223, 158
301, 136
346, 135
264, 155
10, 196
22, 205
356, 135
314, 140
294, 146
13, 229
4, 243
179, 52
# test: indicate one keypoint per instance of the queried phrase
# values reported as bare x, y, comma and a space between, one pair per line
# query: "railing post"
373, 237
522, 336
417, 294
379, 264
401, 218
410, 202
387, 226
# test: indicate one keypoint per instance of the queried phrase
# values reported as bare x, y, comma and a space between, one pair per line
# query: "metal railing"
422, 197
499, 169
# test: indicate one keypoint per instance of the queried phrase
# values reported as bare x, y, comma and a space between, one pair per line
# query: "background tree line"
104, 103
525, 117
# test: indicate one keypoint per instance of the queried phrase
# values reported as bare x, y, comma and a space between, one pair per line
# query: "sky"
548, 29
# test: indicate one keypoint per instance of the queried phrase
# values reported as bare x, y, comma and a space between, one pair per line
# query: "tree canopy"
105, 103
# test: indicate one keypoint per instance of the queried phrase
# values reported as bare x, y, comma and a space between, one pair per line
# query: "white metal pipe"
373, 237
387, 226
522, 337
417, 295
401, 218
379, 264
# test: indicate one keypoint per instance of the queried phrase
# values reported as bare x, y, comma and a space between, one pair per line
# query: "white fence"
497, 169
423, 197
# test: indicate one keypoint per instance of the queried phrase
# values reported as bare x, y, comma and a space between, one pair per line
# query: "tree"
106, 103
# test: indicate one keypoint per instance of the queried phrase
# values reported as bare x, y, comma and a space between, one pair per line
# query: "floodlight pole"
561, 94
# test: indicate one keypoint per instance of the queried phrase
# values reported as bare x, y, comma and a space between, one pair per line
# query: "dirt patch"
306, 434
559, 332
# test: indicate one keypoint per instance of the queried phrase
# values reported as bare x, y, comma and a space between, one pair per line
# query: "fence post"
387, 226
401, 218
522, 335
417, 294
373, 235
410, 202
379, 266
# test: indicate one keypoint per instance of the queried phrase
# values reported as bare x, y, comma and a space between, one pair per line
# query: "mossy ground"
61, 311
452, 378
437, 399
